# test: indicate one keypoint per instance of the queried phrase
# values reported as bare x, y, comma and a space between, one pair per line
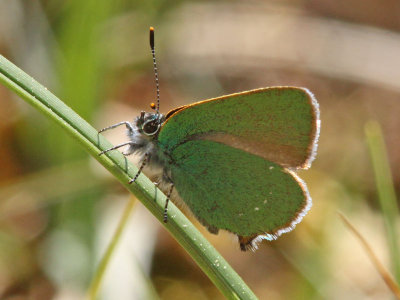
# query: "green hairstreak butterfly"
232, 159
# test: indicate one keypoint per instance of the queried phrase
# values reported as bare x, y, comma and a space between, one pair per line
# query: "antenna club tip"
152, 105
151, 28
152, 37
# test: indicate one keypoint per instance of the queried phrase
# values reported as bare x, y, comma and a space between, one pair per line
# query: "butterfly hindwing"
228, 188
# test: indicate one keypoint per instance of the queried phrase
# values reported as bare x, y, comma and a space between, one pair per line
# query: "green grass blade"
386, 191
205, 255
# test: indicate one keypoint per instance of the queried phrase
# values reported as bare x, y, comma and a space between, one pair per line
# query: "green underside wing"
231, 159
234, 190
278, 124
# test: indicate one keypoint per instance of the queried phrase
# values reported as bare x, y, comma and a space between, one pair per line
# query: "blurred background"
59, 207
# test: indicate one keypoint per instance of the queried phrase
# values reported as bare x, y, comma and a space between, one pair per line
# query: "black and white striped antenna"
153, 53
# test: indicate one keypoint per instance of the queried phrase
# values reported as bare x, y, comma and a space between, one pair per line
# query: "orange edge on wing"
172, 112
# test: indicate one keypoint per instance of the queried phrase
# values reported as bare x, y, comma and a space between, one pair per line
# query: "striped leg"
146, 157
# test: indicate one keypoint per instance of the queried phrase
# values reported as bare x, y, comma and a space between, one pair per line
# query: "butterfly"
232, 159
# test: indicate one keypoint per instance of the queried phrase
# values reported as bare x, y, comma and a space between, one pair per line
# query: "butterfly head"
149, 124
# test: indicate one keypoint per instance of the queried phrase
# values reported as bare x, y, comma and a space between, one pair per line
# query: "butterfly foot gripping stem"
166, 204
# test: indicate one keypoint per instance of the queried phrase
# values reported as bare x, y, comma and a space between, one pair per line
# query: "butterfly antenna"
153, 53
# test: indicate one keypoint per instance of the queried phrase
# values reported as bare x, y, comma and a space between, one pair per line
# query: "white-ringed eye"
151, 127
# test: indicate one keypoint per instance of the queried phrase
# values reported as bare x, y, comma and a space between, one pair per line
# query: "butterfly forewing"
280, 124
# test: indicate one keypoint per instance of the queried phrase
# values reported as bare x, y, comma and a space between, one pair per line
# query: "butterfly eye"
150, 127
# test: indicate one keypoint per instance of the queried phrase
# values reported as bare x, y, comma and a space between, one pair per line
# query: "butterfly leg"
126, 123
145, 159
166, 203
116, 147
